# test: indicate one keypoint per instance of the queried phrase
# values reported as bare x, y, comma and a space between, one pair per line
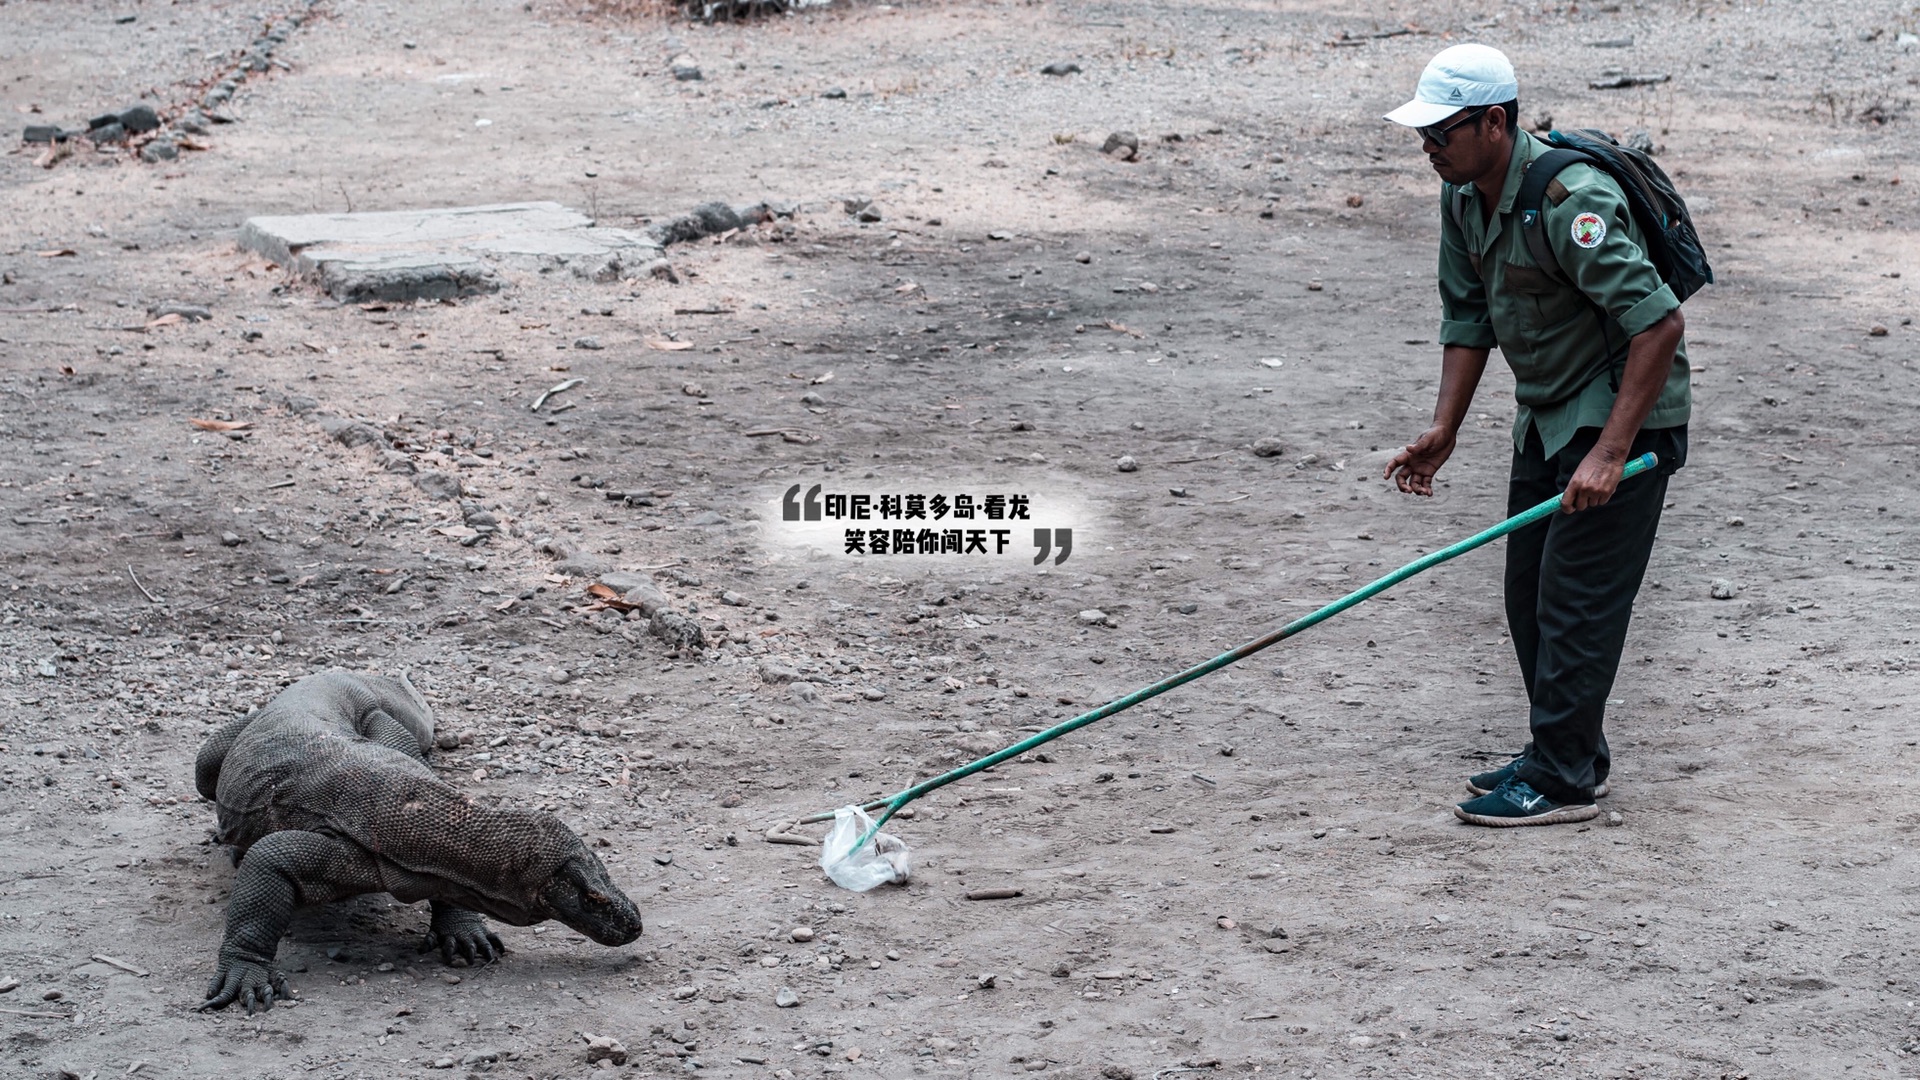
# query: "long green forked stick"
1518, 521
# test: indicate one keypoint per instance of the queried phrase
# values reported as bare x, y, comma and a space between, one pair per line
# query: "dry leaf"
311, 347
220, 425
55, 253
825, 378
668, 346
608, 598
169, 319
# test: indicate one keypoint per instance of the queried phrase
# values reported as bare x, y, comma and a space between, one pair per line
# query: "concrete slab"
445, 252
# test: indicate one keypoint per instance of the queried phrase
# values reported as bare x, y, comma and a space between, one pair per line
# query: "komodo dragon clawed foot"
460, 933
326, 793
245, 982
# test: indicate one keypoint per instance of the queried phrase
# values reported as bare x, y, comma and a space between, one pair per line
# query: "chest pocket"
1540, 295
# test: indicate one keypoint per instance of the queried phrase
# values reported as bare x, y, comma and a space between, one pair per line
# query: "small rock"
1225, 923
1722, 589
1187, 609
1736, 521
1268, 447
191, 312
693, 389
1877, 331
685, 993
228, 539
803, 692
733, 599
987, 980
812, 398
589, 343
801, 933
646, 597
663, 270
480, 1057
52, 995
398, 461
873, 693
1061, 67
1083, 257
1092, 617
777, 672
1314, 286
1177, 492
442, 1062
834, 93
1614, 819
1127, 464
786, 997
437, 485
106, 133
869, 213
1641, 140
447, 740
686, 72
1124, 145
1356, 201
1116, 1072
352, 433
44, 133
604, 1048
1359, 1042
159, 150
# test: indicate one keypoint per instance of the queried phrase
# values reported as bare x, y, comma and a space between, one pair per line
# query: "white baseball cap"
1460, 77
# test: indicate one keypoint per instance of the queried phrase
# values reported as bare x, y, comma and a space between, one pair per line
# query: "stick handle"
1366, 592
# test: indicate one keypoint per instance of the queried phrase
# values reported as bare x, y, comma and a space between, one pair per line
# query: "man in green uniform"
1600, 373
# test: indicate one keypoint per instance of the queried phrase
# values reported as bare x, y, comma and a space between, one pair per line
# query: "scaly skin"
326, 794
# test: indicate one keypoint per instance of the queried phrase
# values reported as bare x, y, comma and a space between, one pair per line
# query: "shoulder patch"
1589, 230
1556, 192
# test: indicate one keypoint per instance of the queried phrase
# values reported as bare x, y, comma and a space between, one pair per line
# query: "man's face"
1475, 144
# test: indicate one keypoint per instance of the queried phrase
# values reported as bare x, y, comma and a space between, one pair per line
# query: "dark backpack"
1672, 244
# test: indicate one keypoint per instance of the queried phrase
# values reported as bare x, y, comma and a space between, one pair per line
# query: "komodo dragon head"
581, 895
524, 867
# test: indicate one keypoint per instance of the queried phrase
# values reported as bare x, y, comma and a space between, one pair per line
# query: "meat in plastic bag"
882, 861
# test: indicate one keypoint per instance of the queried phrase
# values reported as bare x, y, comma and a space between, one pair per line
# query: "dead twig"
35, 1015
121, 964
151, 599
792, 435
557, 388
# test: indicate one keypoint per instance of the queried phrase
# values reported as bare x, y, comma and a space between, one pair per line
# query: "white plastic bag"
883, 860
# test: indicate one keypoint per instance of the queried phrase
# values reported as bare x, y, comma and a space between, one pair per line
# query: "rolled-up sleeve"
1463, 296
1614, 271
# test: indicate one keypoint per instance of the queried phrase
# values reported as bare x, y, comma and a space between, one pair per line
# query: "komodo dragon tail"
206, 766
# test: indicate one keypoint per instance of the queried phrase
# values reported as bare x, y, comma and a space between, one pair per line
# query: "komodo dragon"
326, 794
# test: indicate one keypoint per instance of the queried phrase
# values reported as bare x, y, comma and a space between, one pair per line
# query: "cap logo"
1456, 94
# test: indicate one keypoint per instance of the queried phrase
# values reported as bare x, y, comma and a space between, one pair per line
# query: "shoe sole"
1557, 816
1600, 792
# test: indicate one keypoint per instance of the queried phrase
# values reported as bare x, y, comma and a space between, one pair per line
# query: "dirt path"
1749, 918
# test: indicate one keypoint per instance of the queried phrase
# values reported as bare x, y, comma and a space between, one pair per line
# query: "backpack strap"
1531, 200
1538, 183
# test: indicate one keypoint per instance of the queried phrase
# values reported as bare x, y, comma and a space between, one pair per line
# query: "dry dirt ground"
1262, 271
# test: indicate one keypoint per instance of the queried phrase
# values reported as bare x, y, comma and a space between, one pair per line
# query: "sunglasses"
1439, 134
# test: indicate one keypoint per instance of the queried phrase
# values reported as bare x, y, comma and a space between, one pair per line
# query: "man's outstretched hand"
1412, 469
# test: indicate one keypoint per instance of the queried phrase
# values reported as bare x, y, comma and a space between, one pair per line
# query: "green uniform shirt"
1566, 363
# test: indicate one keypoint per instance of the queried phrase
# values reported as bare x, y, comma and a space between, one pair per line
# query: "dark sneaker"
1515, 802
1483, 783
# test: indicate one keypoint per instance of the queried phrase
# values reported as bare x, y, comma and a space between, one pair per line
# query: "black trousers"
1570, 585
